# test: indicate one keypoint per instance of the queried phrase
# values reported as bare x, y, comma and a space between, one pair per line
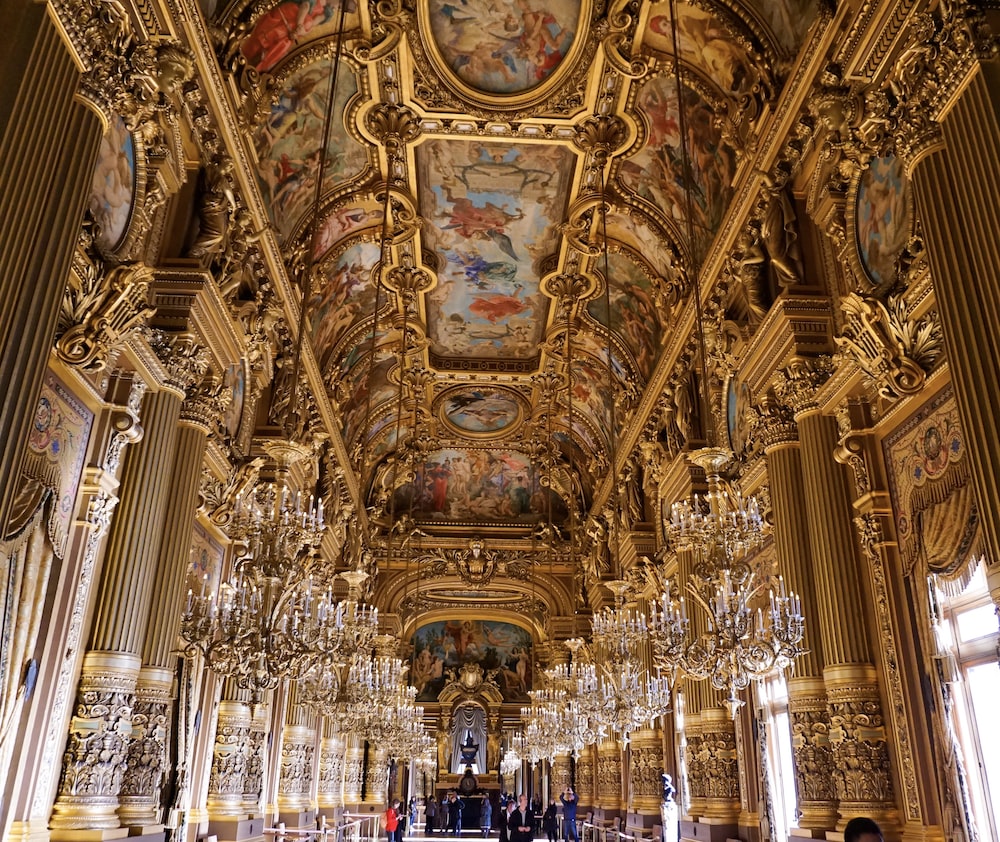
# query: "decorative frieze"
227, 781
298, 749
645, 768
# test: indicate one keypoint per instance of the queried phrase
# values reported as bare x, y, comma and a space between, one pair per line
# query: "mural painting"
503, 650
57, 448
113, 185
346, 296
207, 556
344, 221
883, 217
505, 47
493, 211
703, 42
633, 230
354, 392
493, 485
592, 394
286, 143
633, 315
481, 411
290, 25
657, 172
789, 20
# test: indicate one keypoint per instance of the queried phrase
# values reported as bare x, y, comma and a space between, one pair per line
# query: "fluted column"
861, 762
48, 149
140, 796
957, 191
91, 781
807, 703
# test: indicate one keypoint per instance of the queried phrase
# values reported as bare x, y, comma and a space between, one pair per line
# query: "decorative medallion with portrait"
883, 219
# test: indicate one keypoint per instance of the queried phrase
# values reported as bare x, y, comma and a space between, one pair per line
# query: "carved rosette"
720, 765
94, 761
811, 752
330, 790
862, 768
645, 768
609, 775
585, 777
353, 771
298, 749
229, 758
139, 799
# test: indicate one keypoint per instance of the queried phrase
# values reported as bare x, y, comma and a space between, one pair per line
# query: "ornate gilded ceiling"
472, 148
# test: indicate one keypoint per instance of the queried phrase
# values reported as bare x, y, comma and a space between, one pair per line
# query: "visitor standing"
568, 799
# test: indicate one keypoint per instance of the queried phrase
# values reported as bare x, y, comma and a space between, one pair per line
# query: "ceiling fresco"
491, 212
535, 254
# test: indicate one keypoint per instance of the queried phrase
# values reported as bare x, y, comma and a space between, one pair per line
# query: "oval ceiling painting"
113, 185
504, 47
883, 217
481, 411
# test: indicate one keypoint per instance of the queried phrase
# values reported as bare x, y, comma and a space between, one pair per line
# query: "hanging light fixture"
722, 531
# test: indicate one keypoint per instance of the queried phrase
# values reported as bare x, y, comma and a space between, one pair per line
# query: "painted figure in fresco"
111, 188
486, 223
280, 30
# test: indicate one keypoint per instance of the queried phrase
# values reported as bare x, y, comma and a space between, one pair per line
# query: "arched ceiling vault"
507, 229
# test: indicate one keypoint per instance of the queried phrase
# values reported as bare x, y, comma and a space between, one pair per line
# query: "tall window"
772, 696
968, 636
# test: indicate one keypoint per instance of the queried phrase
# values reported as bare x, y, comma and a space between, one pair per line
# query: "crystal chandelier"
629, 697
513, 756
268, 621
740, 643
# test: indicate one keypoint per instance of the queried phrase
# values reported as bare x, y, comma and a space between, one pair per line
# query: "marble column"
807, 702
91, 779
48, 149
861, 761
140, 795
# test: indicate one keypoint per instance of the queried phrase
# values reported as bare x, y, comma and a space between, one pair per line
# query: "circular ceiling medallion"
481, 411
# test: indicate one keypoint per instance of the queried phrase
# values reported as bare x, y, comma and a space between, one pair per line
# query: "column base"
60, 835
236, 830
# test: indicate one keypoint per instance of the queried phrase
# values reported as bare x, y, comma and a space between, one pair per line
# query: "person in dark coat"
430, 814
549, 821
505, 814
521, 825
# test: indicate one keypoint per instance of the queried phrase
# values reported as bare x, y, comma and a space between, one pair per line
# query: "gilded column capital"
99, 310
184, 359
944, 46
205, 404
774, 424
796, 385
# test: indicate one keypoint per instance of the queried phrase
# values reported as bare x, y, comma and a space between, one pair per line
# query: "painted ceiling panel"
788, 20
288, 137
493, 212
504, 47
288, 26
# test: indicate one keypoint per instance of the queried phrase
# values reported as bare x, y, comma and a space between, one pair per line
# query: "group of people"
518, 821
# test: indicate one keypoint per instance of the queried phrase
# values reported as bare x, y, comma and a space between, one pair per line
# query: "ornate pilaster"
585, 770
645, 767
146, 760
609, 778
862, 769
353, 770
720, 766
332, 753
231, 755
123, 602
694, 762
560, 775
94, 761
812, 753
